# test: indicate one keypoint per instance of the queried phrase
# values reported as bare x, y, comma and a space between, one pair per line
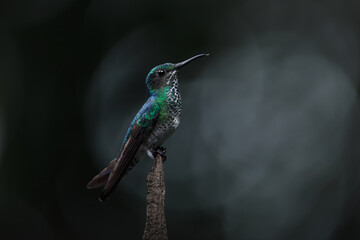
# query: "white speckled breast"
162, 131
170, 121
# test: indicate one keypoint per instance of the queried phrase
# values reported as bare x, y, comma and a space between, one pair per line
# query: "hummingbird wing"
142, 124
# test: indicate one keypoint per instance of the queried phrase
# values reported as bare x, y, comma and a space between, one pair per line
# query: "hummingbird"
156, 121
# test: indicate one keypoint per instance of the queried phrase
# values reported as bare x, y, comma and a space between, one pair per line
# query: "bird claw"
161, 151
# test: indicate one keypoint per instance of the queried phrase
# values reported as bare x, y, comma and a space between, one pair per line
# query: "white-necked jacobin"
153, 124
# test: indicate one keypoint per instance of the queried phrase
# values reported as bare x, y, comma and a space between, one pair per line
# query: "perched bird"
153, 124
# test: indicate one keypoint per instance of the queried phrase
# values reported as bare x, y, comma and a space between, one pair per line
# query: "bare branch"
155, 226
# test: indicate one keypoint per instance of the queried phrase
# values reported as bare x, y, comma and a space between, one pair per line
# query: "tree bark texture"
155, 225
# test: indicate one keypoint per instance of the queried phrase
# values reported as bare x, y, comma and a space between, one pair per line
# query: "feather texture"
141, 126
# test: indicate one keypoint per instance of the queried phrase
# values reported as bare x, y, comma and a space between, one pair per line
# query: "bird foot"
161, 151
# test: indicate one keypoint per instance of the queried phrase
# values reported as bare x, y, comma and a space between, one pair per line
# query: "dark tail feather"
126, 159
101, 179
121, 167
108, 190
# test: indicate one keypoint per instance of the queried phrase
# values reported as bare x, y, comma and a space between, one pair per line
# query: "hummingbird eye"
160, 73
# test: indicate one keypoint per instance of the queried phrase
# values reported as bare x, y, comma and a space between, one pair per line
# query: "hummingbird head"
165, 75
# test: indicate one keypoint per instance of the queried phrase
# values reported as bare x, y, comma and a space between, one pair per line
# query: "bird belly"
162, 132
157, 137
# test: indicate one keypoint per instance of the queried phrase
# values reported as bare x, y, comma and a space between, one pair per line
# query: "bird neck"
161, 94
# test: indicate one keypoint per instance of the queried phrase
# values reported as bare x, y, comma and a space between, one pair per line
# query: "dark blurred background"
269, 143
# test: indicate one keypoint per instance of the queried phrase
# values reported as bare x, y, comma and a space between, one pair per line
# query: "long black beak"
181, 64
